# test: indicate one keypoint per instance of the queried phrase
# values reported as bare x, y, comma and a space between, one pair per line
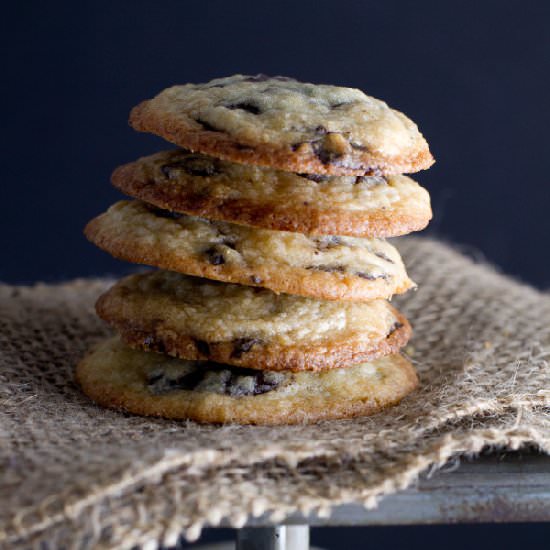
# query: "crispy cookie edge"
158, 336
306, 219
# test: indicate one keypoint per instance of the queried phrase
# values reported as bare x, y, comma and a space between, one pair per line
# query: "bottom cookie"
151, 384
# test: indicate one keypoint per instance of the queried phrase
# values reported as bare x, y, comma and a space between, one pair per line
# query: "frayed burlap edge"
190, 500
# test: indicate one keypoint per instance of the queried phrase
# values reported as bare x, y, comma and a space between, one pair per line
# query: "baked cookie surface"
327, 267
200, 185
198, 319
151, 384
290, 125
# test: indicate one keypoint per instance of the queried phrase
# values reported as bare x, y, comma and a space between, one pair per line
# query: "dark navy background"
473, 75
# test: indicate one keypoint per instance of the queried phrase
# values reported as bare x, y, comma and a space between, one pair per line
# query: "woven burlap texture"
75, 475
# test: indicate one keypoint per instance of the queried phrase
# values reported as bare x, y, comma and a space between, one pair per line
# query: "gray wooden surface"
513, 487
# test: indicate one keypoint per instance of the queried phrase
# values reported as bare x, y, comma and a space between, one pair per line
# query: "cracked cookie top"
286, 124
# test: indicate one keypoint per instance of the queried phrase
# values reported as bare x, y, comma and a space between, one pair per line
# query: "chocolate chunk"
317, 178
382, 256
334, 268
243, 345
225, 239
332, 147
230, 243
255, 279
243, 147
188, 381
215, 255
194, 165
396, 326
161, 213
329, 241
324, 155
374, 171
215, 378
370, 276
267, 381
154, 377
245, 106
206, 125
320, 130
245, 382
336, 105
159, 381
202, 347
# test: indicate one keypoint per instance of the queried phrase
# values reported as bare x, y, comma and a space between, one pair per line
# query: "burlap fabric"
75, 475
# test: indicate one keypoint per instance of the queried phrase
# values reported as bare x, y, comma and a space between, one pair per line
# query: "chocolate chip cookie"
152, 384
196, 184
198, 319
328, 267
286, 124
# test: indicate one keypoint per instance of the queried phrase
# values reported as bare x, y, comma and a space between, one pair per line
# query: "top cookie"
286, 124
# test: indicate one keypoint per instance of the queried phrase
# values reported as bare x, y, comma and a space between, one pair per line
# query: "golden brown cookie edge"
159, 337
306, 219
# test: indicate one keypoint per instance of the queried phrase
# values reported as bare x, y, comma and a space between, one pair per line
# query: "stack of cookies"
270, 304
